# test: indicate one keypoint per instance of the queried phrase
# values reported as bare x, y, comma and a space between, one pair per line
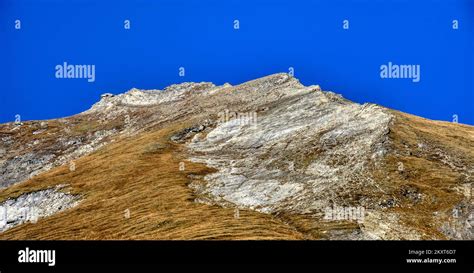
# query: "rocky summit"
266, 159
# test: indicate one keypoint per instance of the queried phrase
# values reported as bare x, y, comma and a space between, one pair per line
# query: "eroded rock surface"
30, 207
280, 148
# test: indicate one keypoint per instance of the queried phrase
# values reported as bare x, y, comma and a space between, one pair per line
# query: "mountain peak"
271, 148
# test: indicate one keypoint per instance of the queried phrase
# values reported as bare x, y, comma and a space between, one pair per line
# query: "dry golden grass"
142, 175
428, 175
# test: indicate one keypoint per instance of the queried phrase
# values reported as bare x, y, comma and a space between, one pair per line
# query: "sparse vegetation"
136, 181
125, 175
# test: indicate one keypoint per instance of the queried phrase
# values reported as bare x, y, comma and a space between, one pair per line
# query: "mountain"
266, 159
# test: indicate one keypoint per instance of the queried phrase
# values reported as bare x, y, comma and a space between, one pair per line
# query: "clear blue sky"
273, 36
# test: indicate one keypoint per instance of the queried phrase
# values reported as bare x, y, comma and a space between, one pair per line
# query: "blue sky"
273, 36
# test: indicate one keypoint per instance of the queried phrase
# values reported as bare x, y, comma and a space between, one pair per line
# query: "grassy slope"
424, 172
140, 174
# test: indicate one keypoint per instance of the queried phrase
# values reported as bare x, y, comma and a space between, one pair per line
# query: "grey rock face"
21, 161
26, 160
136, 97
307, 146
21, 167
32, 206
282, 148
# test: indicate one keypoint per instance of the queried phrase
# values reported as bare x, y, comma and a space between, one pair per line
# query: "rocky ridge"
280, 148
